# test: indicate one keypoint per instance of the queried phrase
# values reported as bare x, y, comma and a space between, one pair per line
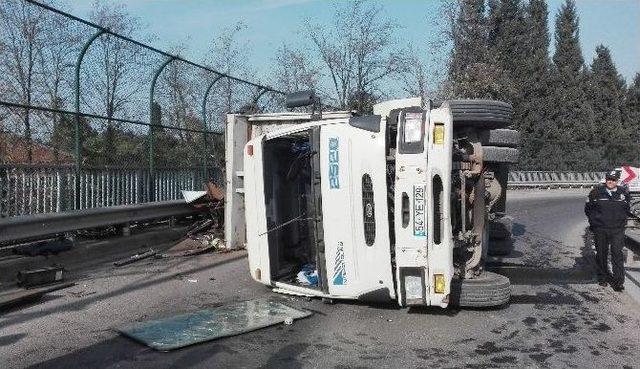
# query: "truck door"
355, 211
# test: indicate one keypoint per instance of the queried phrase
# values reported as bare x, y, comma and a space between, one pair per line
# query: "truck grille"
368, 210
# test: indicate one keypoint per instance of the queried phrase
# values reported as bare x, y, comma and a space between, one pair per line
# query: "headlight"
413, 287
413, 127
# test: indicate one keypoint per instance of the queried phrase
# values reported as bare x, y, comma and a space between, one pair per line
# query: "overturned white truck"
389, 206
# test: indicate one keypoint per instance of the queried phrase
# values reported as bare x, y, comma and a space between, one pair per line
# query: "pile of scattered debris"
204, 236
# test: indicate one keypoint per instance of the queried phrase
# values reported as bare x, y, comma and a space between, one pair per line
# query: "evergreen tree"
471, 73
507, 45
632, 100
607, 89
632, 119
532, 117
572, 132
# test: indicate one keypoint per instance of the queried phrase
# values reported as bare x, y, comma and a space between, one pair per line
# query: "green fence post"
151, 128
78, 144
206, 127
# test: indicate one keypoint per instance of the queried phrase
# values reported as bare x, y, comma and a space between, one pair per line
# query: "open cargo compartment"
291, 193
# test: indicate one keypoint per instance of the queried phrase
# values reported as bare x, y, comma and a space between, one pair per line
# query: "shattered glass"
206, 325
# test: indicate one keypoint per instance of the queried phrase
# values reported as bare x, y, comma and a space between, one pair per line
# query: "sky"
270, 23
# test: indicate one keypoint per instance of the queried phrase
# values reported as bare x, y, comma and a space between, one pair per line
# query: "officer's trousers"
610, 239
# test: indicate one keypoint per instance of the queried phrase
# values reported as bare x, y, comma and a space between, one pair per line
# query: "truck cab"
384, 207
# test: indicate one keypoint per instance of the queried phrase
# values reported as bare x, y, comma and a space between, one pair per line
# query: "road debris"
191, 196
205, 325
195, 245
41, 276
82, 293
205, 235
135, 258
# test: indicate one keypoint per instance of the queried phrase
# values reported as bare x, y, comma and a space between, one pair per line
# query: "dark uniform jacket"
607, 211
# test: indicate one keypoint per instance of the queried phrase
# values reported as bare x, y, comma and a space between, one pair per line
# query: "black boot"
618, 287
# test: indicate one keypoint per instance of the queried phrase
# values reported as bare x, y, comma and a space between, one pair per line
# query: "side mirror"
300, 98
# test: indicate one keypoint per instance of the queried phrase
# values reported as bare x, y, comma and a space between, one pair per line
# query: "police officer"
606, 208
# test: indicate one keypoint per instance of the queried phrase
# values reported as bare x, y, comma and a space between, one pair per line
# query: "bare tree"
357, 51
56, 60
116, 70
22, 34
413, 74
229, 55
181, 102
294, 70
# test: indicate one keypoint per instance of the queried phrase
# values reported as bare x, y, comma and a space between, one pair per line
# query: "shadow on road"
541, 262
84, 303
120, 352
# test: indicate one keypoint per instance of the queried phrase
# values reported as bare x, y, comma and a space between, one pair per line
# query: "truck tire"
486, 290
502, 247
495, 154
500, 137
481, 113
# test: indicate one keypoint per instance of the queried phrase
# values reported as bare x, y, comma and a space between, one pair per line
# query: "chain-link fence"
91, 117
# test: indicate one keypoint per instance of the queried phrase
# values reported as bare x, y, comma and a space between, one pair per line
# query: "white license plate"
419, 222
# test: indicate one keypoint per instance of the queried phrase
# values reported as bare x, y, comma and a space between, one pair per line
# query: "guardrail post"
151, 127
139, 187
62, 201
4, 193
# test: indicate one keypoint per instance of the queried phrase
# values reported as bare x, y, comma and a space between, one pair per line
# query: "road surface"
558, 316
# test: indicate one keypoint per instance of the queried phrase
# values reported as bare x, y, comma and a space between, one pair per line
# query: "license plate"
419, 222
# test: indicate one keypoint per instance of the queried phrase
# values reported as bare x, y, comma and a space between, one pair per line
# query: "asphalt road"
558, 316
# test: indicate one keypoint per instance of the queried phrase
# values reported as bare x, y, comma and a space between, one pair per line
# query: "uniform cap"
612, 175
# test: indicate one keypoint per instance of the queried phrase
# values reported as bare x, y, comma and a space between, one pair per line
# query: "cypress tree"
632, 119
507, 46
471, 74
572, 132
632, 100
532, 117
607, 90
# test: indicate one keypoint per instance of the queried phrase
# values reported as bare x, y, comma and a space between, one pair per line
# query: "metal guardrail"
546, 179
41, 225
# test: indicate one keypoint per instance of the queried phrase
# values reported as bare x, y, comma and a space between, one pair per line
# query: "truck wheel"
500, 247
495, 154
488, 289
500, 137
481, 113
